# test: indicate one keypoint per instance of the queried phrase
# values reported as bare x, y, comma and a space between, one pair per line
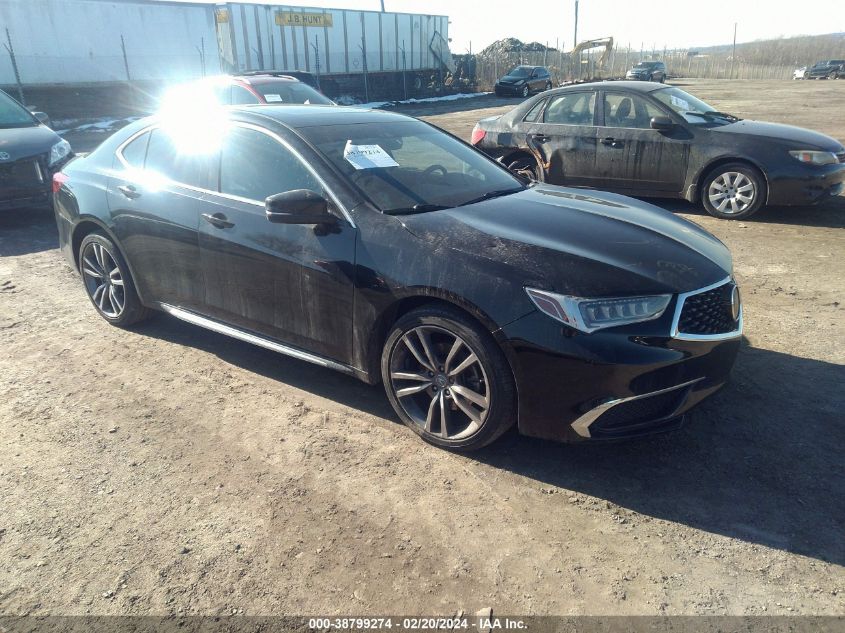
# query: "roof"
301, 116
633, 86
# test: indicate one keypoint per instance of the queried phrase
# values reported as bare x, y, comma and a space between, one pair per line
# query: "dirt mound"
513, 45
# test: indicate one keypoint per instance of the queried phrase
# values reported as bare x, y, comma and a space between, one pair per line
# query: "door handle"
613, 142
218, 219
129, 191
540, 138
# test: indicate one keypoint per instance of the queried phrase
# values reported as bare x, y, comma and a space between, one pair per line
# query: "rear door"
631, 156
286, 281
563, 139
155, 198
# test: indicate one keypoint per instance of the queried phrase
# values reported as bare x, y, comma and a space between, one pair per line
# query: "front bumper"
637, 77
618, 383
510, 89
26, 182
806, 184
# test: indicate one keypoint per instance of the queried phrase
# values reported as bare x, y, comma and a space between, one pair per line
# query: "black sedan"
29, 154
646, 139
523, 80
648, 71
384, 248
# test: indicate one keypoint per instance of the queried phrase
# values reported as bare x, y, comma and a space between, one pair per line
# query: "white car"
800, 73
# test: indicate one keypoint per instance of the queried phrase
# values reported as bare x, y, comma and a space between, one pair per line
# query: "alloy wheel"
731, 192
103, 280
440, 382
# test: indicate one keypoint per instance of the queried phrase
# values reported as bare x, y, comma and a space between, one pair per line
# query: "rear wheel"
733, 192
108, 282
525, 167
447, 379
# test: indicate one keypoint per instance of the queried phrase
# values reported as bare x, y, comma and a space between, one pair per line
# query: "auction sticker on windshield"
367, 156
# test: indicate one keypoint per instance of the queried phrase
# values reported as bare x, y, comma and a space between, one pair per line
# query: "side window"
242, 95
255, 166
165, 158
135, 152
534, 112
575, 108
629, 111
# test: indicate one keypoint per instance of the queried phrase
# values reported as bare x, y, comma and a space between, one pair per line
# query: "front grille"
21, 173
635, 413
708, 312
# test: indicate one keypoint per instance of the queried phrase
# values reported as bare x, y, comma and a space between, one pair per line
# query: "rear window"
290, 92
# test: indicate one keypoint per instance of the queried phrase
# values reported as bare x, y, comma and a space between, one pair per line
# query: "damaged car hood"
580, 242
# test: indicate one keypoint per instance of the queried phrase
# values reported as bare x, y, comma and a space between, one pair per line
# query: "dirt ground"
170, 470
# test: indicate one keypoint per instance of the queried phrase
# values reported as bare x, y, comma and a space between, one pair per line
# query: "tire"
663, 79
832, 75
117, 300
525, 91
739, 175
430, 391
548, 85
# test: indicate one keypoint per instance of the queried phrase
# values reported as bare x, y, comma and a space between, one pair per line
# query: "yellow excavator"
575, 55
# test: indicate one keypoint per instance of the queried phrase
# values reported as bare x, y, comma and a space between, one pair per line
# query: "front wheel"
525, 91
447, 379
733, 192
108, 282
548, 85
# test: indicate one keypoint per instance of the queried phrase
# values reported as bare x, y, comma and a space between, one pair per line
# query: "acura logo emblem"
4, 156
735, 303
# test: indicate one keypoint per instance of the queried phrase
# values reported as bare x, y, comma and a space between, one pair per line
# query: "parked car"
523, 80
303, 76
253, 88
30, 152
380, 246
800, 73
827, 69
651, 140
648, 71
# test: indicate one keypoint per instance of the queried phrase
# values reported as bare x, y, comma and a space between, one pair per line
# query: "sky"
650, 23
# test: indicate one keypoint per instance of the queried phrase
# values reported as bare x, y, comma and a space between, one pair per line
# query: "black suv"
648, 71
830, 69
523, 80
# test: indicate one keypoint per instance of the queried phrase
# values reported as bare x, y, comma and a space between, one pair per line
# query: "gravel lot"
170, 470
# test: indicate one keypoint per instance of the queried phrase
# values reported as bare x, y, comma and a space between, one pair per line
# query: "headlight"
519, 82
589, 315
814, 158
59, 151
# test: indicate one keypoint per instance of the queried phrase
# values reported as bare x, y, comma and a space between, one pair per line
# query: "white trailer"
98, 41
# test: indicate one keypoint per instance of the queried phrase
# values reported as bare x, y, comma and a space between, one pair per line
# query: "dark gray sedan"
647, 139
30, 152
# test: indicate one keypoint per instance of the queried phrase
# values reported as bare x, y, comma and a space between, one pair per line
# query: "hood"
23, 142
580, 242
802, 138
510, 79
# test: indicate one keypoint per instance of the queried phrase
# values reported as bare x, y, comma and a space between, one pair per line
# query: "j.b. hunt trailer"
368, 54
94, 45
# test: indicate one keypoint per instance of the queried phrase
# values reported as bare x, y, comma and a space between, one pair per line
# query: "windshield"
291, 92
520, 71
13, 114
646, 65
409, 166
694, 110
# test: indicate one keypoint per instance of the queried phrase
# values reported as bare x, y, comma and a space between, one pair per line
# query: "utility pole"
575, 38
382, 6
733, 54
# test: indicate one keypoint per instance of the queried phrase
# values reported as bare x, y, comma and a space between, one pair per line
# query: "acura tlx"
384, 248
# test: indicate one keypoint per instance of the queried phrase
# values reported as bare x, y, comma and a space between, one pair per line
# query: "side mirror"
662, 123
42, 118
299, 206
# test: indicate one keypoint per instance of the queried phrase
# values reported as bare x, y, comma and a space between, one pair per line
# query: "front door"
564, 140
280, 280
631, 156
